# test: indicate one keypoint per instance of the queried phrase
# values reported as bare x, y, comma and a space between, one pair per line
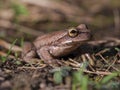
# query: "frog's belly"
57, 51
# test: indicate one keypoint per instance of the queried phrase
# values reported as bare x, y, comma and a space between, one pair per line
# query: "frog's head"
77, 35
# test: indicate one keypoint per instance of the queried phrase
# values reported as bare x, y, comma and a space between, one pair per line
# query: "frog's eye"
73, 32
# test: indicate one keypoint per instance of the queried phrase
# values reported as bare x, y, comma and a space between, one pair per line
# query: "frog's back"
49, 38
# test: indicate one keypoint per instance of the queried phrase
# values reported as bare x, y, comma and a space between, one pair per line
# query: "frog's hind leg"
47, 57
28, 51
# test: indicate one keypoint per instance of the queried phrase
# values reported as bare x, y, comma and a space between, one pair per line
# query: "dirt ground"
16, 75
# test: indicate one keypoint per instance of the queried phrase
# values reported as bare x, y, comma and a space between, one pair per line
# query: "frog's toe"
54, 63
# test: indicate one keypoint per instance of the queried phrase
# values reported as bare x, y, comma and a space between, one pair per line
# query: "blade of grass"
9, 51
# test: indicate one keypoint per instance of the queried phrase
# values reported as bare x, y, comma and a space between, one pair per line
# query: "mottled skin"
56, 44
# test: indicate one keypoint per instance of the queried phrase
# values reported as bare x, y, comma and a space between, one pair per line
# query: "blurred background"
29, 18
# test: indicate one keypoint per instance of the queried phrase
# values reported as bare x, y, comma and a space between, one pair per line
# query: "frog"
49, 47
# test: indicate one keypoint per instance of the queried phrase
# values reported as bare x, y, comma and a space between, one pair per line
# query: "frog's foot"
54, 63
28, 52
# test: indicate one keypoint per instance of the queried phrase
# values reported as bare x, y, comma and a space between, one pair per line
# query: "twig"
5, 54
102, 51
27, 30
8, 46
96, 72
72, 63
91, 61
107, 62
33, 68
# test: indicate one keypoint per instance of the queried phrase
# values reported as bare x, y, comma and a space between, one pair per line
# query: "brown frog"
56, 44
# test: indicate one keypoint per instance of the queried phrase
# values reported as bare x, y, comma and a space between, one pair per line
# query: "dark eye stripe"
73, 31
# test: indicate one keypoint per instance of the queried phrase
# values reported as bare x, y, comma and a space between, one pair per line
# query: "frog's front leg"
28, 52
44, 53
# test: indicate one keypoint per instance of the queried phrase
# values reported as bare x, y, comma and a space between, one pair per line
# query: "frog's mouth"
71, 43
